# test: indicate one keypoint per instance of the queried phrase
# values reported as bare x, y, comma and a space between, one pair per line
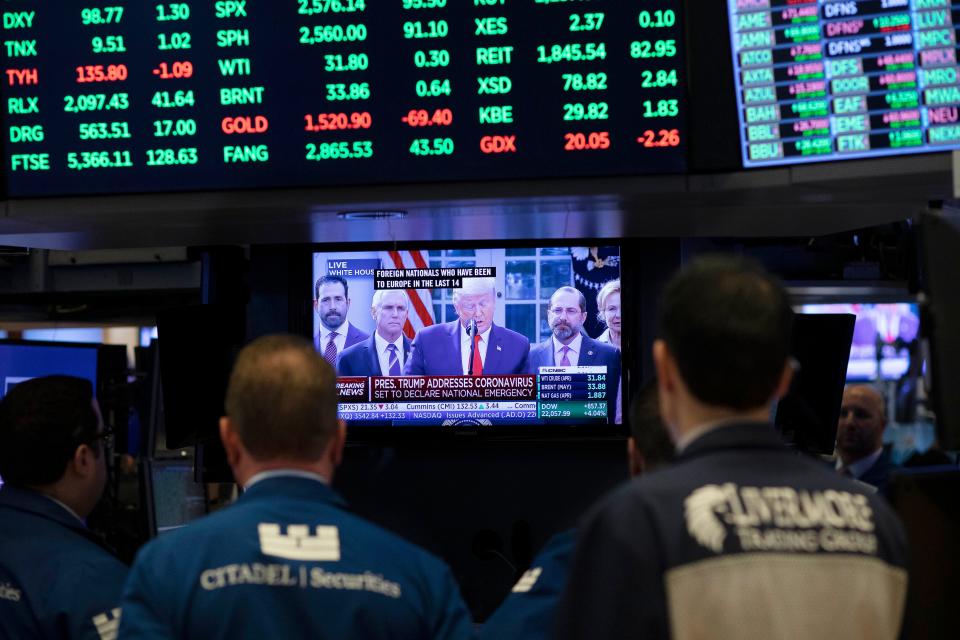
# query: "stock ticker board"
119, 96
824, 80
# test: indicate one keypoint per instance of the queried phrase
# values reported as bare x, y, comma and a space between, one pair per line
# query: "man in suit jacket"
444, 349
569, 347
861, 455
331, 303
387, 350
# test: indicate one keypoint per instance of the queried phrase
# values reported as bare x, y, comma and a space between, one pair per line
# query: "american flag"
421, 302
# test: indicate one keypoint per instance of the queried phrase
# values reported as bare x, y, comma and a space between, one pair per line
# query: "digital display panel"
827, 79
106, 96
472, 337
883, 337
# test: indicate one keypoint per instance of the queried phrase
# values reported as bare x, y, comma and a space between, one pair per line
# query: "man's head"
389, 309
331, 301
566, 313
281, 409
51, 440
608, 305
649, 446
863, 418
725, 331
476, 300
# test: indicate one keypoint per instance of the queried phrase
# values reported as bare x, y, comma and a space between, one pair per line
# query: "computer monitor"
173, 498
423, 301
884, 337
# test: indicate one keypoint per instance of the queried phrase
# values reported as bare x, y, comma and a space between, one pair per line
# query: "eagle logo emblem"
702, 509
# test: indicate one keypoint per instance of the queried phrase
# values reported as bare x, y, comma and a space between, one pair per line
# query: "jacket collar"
34, 503
736, 435
293, 487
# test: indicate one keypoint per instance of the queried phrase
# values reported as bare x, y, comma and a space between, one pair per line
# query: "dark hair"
282, 398
728, 323
322, 280
42, 422
581, 300
647, 429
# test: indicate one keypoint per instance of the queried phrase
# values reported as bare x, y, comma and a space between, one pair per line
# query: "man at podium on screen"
387, 350
472, 344
569, 347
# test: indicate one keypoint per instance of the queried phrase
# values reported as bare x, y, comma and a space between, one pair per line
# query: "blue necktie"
394, 361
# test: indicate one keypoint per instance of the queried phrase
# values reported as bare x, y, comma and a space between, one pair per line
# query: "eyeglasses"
107, 436
569, 311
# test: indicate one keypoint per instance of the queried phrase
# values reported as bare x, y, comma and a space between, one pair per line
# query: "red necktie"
477, 362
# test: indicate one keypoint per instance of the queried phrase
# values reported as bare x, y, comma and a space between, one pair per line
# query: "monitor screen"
829, 79
177, 498
145, 97
472, 337
883, 337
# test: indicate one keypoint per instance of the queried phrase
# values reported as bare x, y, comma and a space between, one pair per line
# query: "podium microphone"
471, 331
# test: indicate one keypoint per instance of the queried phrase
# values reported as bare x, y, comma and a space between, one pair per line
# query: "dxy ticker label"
827, 79
118, 96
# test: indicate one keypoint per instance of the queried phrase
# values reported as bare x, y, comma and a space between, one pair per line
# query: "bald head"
863, 418
282, 399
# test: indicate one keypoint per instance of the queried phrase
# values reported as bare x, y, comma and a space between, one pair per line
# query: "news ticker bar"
453, 411
551, 383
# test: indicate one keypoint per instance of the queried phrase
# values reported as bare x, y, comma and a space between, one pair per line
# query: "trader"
57, 580
445, 349
288, 560
569, 347
385, 352
528, 611
861, 455
740, 537
331, 303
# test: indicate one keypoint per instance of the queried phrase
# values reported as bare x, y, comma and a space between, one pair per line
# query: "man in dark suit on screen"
332, 302
569, 347
445, 349
387, 350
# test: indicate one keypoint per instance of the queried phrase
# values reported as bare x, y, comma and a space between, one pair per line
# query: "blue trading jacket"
56, 579
288, 560
527, 613
738, 538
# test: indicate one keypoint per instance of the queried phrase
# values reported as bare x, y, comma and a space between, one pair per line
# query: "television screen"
472, 337
823, 80
883, 337
147, 97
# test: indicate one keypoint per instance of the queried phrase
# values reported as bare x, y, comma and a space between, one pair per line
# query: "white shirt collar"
65, 508
574, 344
382, 343
861, 466
284, 473
341, 330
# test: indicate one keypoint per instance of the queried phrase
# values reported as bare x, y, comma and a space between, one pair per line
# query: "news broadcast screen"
883, 338
472, 337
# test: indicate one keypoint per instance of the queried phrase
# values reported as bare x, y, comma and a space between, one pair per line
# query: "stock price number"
585, 141
104, 130
338, 121
660, 78
597, 386
663, 138
316, 7
660, 108
423, 118
573, 52
102, 73
431, 29
433, 88
171, 157
173, 99
339, 150
172, 12
584, 82
657, 19
108, 44
96, 102
353, 91
594, 377
321, 34
432, 147
586, 111
350, 62
586, 21
164, 128
102, 15
78, 161
653, 48
424, 4
431, 58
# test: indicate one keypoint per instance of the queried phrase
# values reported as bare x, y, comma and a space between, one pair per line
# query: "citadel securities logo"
107, 624
298, 543
780, 519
